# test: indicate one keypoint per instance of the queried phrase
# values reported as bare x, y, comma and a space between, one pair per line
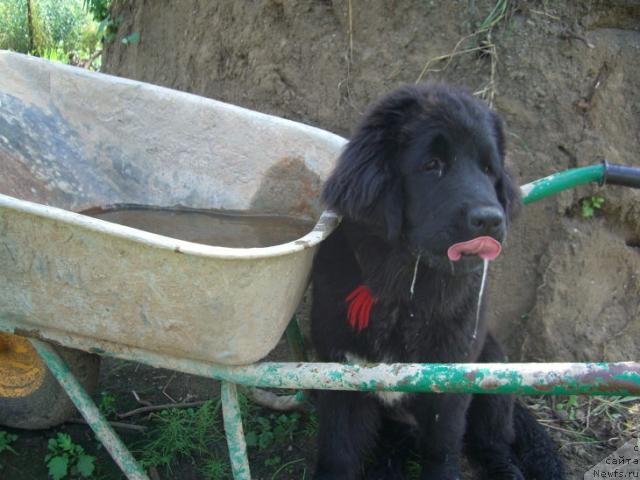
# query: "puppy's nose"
485, 220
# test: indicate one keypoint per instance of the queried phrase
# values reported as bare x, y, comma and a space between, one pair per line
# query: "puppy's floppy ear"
365, 185
362, 186
359, 177
508, 191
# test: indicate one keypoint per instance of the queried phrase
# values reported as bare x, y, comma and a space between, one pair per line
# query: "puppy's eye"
487, 169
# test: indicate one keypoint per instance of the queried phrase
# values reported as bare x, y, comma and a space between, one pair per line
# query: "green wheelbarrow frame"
620, 378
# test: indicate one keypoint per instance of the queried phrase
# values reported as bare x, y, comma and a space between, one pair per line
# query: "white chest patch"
388, 398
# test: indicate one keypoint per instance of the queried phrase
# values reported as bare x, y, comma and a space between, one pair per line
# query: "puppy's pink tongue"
486, 248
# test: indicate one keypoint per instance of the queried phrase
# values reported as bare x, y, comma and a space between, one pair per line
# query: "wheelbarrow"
73, 287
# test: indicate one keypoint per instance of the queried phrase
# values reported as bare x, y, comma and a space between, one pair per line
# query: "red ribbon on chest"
360, 302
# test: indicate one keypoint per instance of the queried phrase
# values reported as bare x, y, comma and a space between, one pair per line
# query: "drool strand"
485, 269
415, 276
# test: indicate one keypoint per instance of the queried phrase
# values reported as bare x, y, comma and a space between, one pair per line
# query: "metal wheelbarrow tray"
72, 139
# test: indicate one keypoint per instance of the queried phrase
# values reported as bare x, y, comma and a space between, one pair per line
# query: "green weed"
67, 459
413, 469
311, 425
497, 15
588, 420
589, 205
268, 430
272, 434
216, 469
6, 439
182, 433
55, 54
107, 404
197, 435
569, 406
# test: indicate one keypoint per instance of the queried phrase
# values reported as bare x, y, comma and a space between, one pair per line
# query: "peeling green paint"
547, 186
233, 429
622, 378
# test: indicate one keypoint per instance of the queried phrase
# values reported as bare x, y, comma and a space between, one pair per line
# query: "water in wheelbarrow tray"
211, 227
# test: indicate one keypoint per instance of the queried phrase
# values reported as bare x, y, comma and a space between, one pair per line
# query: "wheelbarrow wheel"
30, 396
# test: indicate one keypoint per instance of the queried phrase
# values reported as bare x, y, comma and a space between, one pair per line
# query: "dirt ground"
565, 77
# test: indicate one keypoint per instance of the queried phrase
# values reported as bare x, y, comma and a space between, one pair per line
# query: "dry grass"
481, 44
349, 58
587, 429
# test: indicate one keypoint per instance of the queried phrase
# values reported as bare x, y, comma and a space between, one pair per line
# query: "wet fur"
394, 206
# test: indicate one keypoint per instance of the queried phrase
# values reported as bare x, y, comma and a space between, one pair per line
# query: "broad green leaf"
58, 467
85, 465
64, 441
266, 439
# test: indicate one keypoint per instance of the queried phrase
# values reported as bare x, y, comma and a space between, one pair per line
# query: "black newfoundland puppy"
425, 200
